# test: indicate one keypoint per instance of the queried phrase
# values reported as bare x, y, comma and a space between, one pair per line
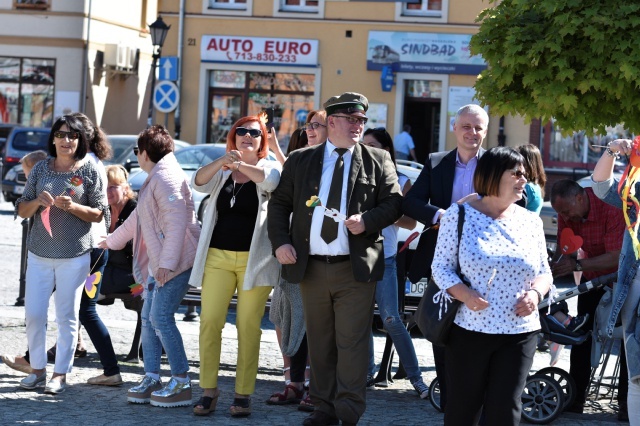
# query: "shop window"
311, 8
228, 7
233, 94
577, 149
32, 4
27, 91
427, 10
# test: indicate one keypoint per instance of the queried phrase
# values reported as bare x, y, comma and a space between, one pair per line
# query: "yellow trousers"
223, 276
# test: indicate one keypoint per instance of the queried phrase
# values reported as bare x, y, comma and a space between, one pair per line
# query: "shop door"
423, 115
225, 109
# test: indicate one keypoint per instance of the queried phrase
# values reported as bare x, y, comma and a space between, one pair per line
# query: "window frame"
42, 5
311, 12
418, 16
235, 9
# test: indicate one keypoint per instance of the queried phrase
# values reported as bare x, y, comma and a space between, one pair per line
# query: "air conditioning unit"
132, 58
116, 55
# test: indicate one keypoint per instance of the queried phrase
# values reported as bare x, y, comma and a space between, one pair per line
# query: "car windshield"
193, 158
30, 140
122, 149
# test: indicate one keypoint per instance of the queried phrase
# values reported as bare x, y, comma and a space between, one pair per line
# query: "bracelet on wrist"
540, 297
610, 152
238, 165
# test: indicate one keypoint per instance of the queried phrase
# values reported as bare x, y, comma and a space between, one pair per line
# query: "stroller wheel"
565, 381
434, 394
542, 400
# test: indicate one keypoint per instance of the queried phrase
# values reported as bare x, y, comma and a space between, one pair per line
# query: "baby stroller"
550, 390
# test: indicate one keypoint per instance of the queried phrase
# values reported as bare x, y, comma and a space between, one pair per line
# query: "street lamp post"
158, 31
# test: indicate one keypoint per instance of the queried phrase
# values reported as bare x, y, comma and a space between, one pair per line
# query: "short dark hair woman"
165, 235
502, 255
64, 195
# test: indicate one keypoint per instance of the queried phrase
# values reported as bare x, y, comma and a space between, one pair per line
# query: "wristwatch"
578, 265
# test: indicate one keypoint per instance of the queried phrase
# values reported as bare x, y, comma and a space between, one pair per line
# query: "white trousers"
627, 315
67, 276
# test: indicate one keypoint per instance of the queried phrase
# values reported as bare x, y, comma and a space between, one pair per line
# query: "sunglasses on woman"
518, 174
61, 135
254, 133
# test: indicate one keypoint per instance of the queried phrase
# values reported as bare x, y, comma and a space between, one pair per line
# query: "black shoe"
623, 414
576, 407
577, 322
320, 418
371, 381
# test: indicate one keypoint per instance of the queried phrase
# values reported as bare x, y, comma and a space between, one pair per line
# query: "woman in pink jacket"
165, 236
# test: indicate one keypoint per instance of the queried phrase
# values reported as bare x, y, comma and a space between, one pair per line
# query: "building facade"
411, 60
59, 56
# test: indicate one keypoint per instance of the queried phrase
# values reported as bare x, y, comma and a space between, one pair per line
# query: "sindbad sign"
259, 50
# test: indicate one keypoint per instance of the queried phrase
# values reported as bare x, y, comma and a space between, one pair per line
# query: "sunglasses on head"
136, 150
61, 135
254, 133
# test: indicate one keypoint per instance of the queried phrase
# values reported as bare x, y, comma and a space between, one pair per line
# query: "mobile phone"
270, 114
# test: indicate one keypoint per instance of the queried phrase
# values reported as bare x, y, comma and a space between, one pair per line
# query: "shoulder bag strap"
461, 212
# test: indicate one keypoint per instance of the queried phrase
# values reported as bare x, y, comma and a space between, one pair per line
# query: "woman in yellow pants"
234, 255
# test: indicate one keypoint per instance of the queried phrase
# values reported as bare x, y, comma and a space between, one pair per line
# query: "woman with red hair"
234, 255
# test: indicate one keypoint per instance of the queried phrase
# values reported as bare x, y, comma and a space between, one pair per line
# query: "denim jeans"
89, 318
387, 300
159, 324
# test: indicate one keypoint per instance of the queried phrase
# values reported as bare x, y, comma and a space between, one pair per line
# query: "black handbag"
436, 312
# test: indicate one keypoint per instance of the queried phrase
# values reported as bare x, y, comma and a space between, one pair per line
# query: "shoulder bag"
437, 309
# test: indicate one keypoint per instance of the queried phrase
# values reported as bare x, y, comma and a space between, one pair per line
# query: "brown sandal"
306, 404
284, 397
205, 405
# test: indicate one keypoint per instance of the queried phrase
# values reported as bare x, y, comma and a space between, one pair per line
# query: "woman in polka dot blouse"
503, 257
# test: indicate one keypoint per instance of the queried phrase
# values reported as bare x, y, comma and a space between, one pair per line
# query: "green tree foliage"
575, 60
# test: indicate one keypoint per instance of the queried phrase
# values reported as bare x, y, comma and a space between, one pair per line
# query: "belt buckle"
327, 259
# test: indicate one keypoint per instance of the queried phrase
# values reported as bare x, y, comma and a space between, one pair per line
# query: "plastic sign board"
166, 96
259, 50
168, 69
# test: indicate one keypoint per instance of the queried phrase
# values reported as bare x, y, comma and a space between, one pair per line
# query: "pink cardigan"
166, 221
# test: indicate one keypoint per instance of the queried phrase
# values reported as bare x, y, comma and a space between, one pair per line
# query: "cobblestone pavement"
95, 405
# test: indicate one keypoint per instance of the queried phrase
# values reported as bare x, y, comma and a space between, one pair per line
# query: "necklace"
234, 193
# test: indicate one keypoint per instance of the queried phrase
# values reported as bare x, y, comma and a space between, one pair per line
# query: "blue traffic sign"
166, 96
168, 68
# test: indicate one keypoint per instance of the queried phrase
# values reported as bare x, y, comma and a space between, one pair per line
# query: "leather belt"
330, 259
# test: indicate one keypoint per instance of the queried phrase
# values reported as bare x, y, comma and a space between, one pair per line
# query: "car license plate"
415, 289
18, 189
